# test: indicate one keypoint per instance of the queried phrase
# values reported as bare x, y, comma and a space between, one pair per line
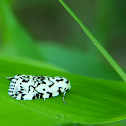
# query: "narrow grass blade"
113, 63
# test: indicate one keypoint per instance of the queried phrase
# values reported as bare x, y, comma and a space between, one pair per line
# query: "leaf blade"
89, 100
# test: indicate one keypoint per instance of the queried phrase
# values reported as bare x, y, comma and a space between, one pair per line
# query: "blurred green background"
61, 41
43, 30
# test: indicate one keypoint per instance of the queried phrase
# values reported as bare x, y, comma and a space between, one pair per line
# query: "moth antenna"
9, 78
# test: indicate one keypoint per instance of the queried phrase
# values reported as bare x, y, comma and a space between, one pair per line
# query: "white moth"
28, 87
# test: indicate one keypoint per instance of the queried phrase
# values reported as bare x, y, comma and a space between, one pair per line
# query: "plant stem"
113, 63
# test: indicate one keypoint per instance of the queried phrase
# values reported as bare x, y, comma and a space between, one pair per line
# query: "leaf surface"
89, 100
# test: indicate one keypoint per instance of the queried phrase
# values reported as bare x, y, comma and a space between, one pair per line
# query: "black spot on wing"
32, 87
43, 82
22, 89
67, 81
43, 89
42, 78
12, 85
12, 88
10, 91
59, 90
12, 95
38, 84
25, 80
13, 82
39, 77
37, 96
51, 82
59, 80
16, 94
41, 95
50, 94
33, 97
20, 92
51, 85
66, 89
22, 96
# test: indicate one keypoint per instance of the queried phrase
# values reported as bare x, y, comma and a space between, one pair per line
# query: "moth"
29, 87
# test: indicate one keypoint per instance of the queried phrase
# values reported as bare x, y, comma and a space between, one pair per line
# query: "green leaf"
13, 113
32, 62
89, 100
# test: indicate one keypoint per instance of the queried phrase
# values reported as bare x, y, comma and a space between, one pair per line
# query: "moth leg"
64, 96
